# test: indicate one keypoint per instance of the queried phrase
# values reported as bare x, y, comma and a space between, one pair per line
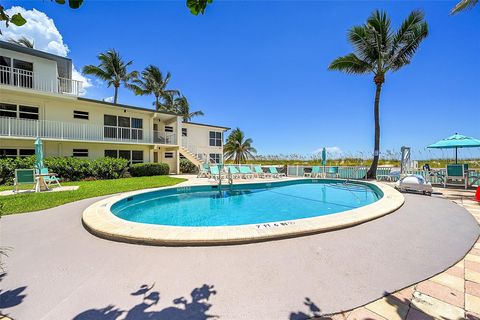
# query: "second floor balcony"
30, 80
69, 131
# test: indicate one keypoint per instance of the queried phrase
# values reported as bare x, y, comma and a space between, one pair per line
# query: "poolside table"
41, 185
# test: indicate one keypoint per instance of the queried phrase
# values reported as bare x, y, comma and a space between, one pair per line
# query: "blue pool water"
245, 204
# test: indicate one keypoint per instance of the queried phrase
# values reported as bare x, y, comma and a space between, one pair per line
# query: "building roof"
125, 106
64, 64
206, 125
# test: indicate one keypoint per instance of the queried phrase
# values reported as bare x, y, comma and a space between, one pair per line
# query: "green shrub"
149, 169
186, 166
109, 168
72, 169
8, 166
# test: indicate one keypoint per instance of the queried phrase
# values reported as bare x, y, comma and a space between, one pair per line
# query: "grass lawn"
88, 189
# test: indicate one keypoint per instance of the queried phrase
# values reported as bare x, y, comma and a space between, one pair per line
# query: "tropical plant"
152, 82
464, 5
238, 148
22, 41
168, 101
113, 70
182, 107
379, 50
198, 6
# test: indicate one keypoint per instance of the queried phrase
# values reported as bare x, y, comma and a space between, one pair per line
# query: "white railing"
27, 79
14, 127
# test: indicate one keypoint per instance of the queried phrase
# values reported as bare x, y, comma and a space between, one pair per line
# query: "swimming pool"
245, 203
244, 212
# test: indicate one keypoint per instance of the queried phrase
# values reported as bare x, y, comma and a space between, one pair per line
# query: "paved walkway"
453, 294
57, 270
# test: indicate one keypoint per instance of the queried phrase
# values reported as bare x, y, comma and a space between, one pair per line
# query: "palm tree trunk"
372, 172
115, 96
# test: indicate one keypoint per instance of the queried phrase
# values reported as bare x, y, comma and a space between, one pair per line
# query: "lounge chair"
332, 172
24, 176
455, 172
204, 171
274, 172
234, 172
246, 172
215, 173
49, 178
314, 173
259, 173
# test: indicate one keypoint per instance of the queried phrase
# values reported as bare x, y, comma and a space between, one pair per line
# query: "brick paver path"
451, 295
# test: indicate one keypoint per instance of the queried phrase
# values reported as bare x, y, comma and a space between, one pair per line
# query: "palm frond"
350, 64
22, 41
463, 5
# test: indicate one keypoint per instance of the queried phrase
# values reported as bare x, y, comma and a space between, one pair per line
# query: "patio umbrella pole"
456, 155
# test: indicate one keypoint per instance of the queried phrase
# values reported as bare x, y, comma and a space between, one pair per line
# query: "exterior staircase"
191, 156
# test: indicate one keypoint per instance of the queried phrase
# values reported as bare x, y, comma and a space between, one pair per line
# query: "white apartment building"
39, 98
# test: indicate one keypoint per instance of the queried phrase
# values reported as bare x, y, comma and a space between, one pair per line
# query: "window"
80, 115
80, 152
215, 139
168, 129
5, 76
24, 75
8, 153
184, 132
26, 112
168, 155
125, 154
137, 123
8, 110
122, 127
124, 122
26, 152
111, 153
215, 157
137, 156
109, 120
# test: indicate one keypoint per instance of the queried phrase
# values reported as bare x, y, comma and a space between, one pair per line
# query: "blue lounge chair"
234, 172
259, 173
332, 172
455, 173
314, 173
215, 173
49, 178
275, 173
24, 176
204, 171
246, 172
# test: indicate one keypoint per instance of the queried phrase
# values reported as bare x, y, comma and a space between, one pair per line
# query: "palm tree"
183, 108
22, 41
168, 102
152, 82
113, 70
379, 50
238, 148
463, 5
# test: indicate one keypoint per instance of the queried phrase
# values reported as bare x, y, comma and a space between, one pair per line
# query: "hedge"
67, 168
186, 166
148, 169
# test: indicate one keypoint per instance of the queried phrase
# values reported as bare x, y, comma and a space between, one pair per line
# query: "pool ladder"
229, 177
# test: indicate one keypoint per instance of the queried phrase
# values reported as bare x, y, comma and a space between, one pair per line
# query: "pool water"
245, 204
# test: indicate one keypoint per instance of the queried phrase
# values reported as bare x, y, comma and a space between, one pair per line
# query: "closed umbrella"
324, 156
454, 142
38, 153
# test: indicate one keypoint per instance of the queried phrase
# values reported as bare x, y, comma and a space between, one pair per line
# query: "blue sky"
262, 66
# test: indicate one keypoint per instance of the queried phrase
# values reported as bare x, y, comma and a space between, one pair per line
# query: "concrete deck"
57, 270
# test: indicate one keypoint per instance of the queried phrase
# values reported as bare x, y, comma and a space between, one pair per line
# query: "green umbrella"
324, 156
38, 153
456, 141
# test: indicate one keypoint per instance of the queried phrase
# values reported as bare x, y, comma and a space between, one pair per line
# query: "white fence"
27, 79
14, 127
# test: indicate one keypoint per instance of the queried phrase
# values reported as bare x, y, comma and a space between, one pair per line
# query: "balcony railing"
28, 79
57, 130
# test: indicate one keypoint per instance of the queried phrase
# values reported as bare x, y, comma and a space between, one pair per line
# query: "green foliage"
238, 148
149, 169
109, 168
27, 202
198, 6
186, 166
464, 5
67, 168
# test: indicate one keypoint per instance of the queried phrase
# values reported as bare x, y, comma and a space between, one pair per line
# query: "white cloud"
42, 31
108, 99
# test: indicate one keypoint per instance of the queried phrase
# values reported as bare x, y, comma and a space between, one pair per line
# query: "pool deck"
57, 270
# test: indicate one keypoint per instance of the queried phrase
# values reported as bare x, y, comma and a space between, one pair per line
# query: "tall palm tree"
238, 148
22, 41
463, 5
152, 82
183, 108
113, 70
168, 100
379, 50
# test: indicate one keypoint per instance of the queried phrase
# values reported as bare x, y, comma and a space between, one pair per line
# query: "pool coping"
100, 221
